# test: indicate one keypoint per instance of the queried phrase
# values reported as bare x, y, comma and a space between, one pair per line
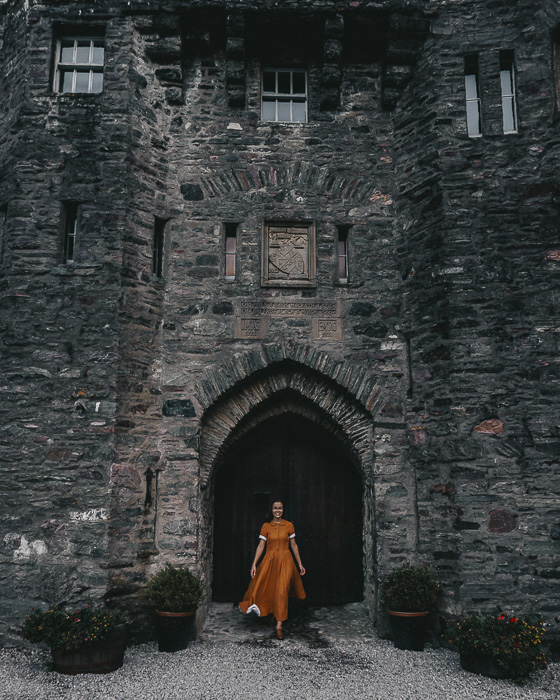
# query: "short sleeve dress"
277, 575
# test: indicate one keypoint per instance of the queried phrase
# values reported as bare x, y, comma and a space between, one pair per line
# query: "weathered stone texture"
121, 392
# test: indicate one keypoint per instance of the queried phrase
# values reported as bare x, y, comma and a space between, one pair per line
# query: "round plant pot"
482, 664
100, 657
409, 629
174, 630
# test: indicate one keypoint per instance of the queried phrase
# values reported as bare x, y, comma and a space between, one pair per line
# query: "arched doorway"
307, 466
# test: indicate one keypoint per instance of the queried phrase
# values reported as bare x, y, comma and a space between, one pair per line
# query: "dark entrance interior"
292, 458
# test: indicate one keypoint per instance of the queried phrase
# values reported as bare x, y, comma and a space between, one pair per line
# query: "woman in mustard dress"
276, 577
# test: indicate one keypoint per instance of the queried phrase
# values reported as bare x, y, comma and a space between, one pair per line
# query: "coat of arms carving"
288, 254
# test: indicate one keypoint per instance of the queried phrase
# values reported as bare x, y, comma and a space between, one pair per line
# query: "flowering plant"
410, 589
514, 643
68, 630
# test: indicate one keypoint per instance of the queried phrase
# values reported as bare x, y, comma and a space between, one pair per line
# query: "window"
158, 247
79, 65
70, 232
3, 219
556, 57
343, 253
507, 80
284, 95
472, 92
230, 250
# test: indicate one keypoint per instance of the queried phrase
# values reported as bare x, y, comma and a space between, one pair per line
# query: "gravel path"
290, 669
329, 653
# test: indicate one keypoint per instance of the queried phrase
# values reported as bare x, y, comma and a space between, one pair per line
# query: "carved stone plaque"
251, 318
288, 254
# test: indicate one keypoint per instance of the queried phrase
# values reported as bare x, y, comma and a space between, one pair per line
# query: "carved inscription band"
325, 309
251, 318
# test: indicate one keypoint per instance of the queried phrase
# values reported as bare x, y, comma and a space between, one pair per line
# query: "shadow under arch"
290, 403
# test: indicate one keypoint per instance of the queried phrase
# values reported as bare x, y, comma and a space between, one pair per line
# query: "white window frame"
507, 67
277, 97
90, 67
473, 99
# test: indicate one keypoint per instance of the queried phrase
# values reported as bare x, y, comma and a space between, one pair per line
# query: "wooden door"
292, 459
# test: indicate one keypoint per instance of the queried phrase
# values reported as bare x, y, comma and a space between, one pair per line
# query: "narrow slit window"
158, 247
556, 54
342, 253
507, 80
472, 92
230, 250
3, 220
70, 237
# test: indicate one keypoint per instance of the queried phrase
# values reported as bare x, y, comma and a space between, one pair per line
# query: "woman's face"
277, 509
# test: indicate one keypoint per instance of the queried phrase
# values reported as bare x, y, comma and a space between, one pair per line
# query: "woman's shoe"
279, 633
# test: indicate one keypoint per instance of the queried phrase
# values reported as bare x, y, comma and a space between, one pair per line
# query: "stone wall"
437, 361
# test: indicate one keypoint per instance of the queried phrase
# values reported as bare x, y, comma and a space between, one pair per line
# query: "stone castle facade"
227, 217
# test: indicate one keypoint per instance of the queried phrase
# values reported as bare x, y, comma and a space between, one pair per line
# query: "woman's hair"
269, 515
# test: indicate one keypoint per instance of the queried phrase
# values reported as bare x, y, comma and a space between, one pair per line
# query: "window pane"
230, 244
97, 82
299, 83
284, 82
67, 52
508, 113
82, 81
471, 87
473, 118
507, 83
269, 81
230, 265
342, 274
98, 55
82, 52
66, 80
269, 111
298, 111
284, 112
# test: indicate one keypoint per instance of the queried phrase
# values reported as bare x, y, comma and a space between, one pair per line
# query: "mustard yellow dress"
277, 575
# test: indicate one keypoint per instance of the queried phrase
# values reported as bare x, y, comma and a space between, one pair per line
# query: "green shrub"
514, 643
175, 589
410, 589
68, 630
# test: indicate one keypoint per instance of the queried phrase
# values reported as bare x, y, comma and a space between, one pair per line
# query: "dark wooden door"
292, 459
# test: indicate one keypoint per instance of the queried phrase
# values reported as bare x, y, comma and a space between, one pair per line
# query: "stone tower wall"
436, 362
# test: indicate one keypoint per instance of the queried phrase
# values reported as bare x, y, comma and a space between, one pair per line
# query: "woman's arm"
258, 554
295, 550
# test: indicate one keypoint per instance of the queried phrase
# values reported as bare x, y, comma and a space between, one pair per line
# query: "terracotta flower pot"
409, 629
100, 657
174, 630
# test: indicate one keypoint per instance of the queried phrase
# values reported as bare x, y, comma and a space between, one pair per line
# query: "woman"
276, 577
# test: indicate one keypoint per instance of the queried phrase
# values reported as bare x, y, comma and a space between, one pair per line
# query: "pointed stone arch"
281, 379
338, 395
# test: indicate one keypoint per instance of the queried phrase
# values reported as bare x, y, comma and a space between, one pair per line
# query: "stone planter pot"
100, 657
483, 664
409, 629
174, 630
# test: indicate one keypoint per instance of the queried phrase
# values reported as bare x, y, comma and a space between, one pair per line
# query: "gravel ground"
264, 668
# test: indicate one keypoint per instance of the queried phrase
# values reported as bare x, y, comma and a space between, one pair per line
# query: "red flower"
513, 619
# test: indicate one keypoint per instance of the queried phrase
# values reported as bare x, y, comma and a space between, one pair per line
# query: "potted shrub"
499, 646
84, 640
176, 593
410, 592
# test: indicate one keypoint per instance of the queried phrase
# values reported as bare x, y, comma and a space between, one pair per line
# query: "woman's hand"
301, 570
253, 571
